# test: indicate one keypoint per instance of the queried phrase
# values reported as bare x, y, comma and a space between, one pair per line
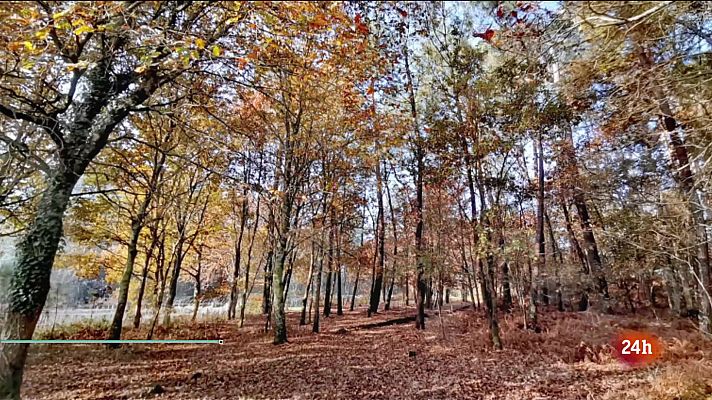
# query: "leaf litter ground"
570, 359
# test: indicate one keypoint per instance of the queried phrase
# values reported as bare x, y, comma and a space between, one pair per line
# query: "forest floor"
570, 359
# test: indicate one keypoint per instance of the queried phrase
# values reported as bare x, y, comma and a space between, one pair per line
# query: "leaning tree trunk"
94, 118
117, 323
590, 246
30, 280
287, 279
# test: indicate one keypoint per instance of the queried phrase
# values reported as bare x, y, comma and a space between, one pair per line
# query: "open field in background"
58, 317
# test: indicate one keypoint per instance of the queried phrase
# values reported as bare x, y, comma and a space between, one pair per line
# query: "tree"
69, 51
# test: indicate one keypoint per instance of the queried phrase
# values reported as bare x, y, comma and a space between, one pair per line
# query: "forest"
379, 199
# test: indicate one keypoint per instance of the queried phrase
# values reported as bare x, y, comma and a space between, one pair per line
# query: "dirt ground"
570, 359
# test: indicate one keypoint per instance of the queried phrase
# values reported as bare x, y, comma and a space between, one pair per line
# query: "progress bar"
68, 341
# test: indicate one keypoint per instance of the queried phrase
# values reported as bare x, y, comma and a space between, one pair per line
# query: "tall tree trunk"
317, 295
248, 262
506, 287
160, 284
507, 300
117, 322
185, 242
329, 268
590, 250
466, 267
540, 240
394, 225
572, 239
421, 284
311, 303
288, 274
267, 285
159, 303
175, 275
590, 246
381, 248
583, 302
406, 278
173, 285
359, 263
353, 293
155, 237
278, 317
339, 271
478, 300
280, 257
429, 294
137, 224
142, 290
305, 298
686, 182
559, 262
487, 271
333, 287
232, 306
197, 289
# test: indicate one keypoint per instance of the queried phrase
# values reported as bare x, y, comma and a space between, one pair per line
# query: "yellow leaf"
141, 68
42, 35
60, 14
83, 29
80, 65
216, 51
28, 45
233, 20
200, 43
